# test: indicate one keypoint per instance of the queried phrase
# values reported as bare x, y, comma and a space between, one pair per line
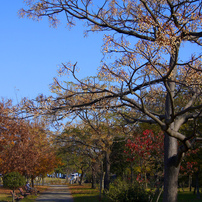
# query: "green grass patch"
185, 196
4, 197
188, 197
8, 197
85, 193
5, 194
29, 198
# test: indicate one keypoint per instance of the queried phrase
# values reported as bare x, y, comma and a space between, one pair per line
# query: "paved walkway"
56, 193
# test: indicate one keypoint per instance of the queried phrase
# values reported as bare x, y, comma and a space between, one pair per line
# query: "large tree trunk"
171, 172
171, 161
107, 171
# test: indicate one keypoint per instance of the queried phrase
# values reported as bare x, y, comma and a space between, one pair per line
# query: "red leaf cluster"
145, 145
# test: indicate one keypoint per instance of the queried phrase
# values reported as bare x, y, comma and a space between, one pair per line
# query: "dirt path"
56, 193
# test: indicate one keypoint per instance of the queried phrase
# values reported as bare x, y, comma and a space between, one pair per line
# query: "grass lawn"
185, 196
5, 194
85, 193
188, 197
54, 181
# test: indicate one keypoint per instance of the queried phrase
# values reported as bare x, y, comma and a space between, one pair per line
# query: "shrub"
121, 191
13, 180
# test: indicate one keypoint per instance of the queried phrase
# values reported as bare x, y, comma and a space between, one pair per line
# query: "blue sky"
30, 52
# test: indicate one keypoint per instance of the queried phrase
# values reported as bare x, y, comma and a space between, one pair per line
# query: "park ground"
79, 193
84, 193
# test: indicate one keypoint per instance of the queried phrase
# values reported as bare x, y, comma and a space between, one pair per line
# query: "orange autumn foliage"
24, 146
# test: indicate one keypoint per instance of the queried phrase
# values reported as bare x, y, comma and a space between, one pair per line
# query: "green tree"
75, 158
191, 164
94, 136
141, 62
118, 158
103, 130
13, 181
80, 149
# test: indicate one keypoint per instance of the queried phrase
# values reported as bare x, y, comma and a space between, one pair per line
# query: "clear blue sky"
31, 51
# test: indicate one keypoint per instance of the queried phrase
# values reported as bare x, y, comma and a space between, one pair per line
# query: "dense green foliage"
118, 157
121, 191
13, 180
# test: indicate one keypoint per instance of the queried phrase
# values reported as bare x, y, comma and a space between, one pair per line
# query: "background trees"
146, 150
143, 69
93, 137
81, 152
24, 146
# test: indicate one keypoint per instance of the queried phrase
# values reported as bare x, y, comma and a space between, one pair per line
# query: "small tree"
147, 151
13, 180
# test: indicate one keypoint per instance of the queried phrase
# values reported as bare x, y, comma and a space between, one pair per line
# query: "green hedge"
121, 191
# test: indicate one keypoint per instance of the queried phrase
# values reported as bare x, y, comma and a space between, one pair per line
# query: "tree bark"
171, 168
32, 181
107, 171
101, 184
131, 175
190, 182
81, 178
197, 185
93, 179
171, 172
145, 179
43, 181
13, 196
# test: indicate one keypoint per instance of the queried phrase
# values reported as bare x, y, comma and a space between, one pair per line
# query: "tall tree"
145, 41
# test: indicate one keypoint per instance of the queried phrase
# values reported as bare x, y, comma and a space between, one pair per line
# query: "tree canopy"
24, 146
